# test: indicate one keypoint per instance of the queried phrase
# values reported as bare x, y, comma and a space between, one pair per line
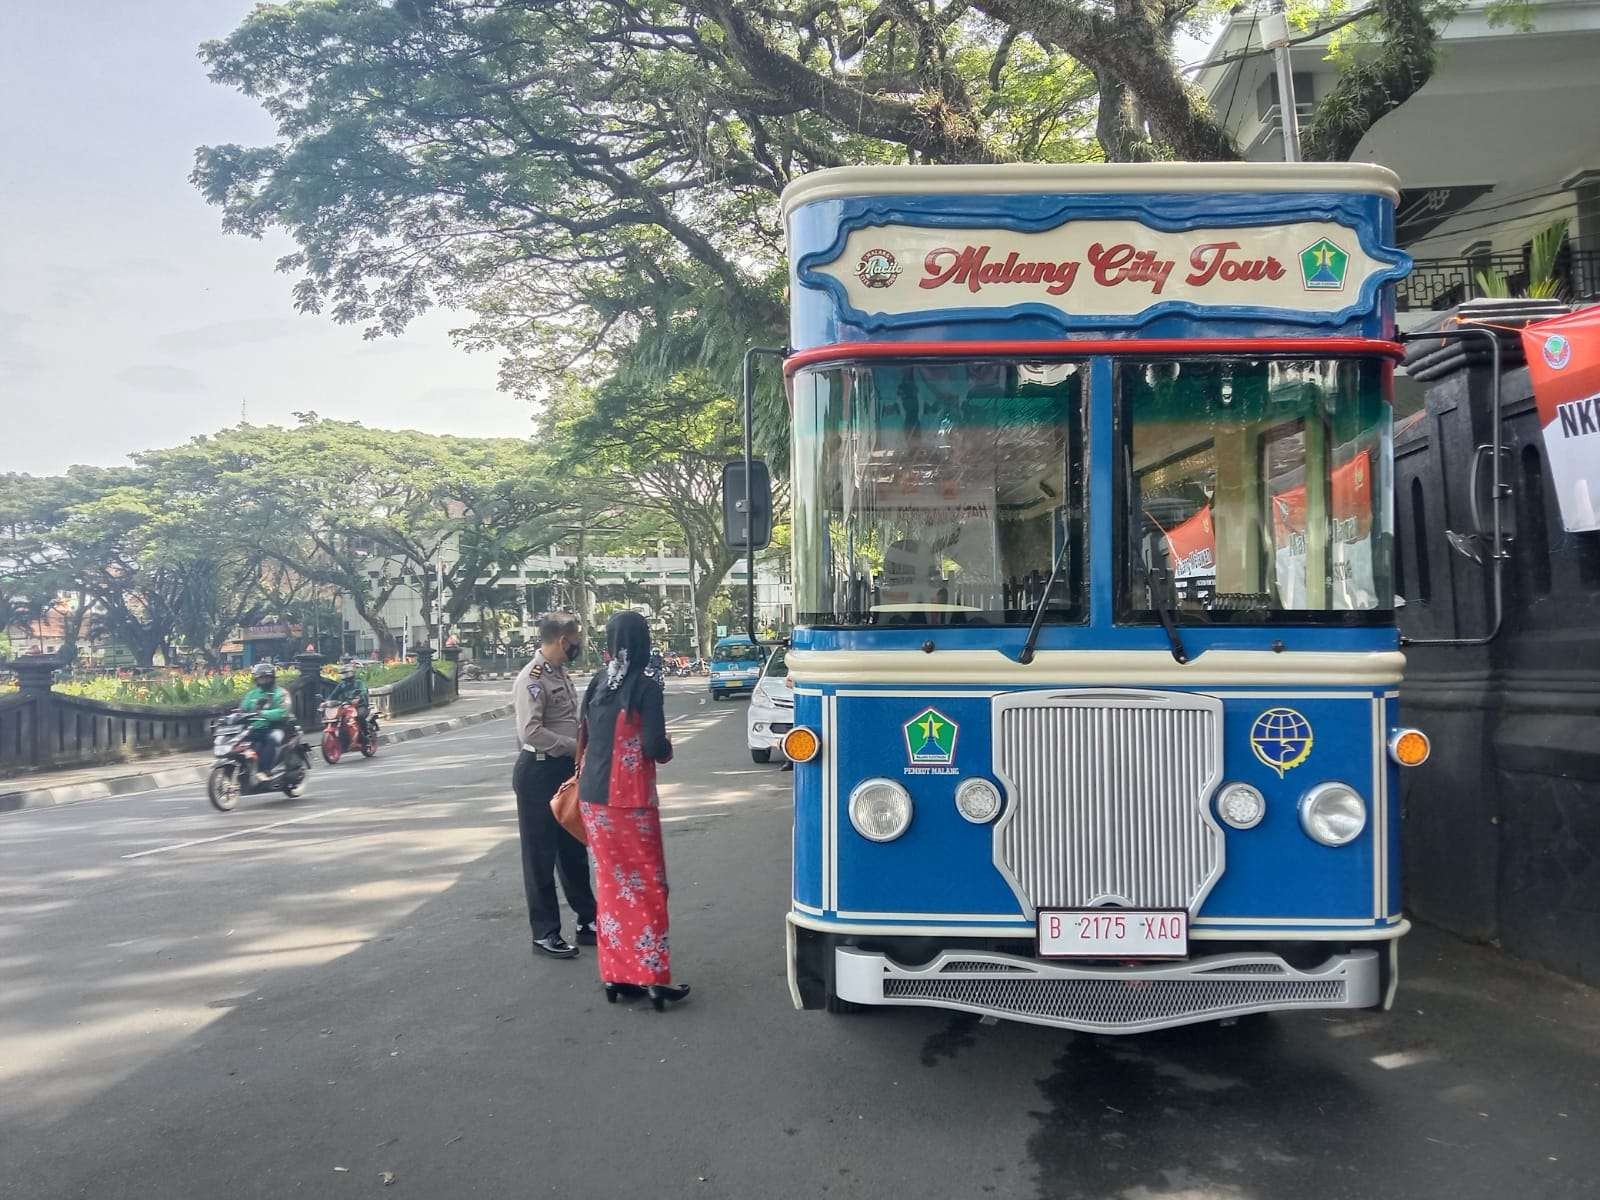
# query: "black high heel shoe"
628, 991
663, 993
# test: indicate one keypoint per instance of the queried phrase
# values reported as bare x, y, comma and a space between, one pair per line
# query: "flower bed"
173, 689
195, 689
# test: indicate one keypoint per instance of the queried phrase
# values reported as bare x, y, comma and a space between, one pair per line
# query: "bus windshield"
1257, 490
938, 492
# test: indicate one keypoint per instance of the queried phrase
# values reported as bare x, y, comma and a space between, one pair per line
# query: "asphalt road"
299, 997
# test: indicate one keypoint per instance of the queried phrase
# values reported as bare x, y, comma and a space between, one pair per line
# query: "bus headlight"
1241, 806
977, 800
880, 809
1333, 814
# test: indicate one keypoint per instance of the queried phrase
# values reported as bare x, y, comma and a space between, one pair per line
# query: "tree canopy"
574, 172
191, 542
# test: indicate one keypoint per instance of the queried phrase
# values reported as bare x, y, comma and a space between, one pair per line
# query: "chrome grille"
1111, 1003
1107, 797
1102, 997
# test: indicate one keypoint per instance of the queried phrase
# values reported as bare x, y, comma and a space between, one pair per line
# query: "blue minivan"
735, 666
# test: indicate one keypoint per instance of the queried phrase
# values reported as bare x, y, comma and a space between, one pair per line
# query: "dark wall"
1503, 823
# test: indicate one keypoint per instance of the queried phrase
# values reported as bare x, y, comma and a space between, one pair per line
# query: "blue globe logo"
1281, 738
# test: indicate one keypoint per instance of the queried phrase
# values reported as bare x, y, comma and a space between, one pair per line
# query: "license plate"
1113, 933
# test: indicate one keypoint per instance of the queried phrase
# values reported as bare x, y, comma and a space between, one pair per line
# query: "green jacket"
267, 707
350, 689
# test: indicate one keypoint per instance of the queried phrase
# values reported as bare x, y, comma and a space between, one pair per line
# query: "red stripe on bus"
1161, 347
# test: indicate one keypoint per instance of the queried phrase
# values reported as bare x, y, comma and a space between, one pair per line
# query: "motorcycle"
342, 728
237, 771
699, 667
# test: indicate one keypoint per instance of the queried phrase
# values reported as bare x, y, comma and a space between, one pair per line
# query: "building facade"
1500, 143
658, 585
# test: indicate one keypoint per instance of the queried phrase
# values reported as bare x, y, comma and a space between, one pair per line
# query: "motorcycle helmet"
264, 675
347, 669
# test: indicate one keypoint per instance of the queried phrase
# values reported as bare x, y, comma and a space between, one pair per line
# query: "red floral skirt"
631, 888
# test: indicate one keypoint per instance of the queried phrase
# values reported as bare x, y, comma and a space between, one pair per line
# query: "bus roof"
1076, 178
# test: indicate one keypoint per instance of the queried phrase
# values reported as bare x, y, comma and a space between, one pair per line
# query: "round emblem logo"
878, 269
1557, 351
1281, 738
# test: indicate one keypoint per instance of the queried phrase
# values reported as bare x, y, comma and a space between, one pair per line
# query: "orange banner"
1564, 365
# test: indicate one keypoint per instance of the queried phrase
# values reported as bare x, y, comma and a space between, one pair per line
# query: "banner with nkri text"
1564, 364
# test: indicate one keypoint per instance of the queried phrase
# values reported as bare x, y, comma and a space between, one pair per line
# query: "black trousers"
548, 848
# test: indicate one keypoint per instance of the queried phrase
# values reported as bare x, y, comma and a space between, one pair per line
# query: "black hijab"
628, 642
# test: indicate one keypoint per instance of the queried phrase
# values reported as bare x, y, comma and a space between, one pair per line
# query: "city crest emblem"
878, 268
931, 739
1281, 738
1323, 266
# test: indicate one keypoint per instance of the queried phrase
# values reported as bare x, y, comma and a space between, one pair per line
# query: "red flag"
1564, 364
1193, 544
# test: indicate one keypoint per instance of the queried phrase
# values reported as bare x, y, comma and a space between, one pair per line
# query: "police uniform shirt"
546, 709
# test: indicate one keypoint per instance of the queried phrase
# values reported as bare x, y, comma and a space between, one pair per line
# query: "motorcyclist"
352, 689
270, 713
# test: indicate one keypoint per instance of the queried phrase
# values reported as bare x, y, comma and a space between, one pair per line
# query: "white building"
546, 581
1502, 141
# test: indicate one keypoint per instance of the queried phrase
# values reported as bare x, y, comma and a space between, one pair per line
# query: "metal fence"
426, 687
39, 731
1441, 283
42, 729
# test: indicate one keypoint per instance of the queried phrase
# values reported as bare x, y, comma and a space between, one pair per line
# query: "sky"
128, 319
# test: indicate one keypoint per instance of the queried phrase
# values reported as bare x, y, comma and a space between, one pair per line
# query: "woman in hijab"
626, 732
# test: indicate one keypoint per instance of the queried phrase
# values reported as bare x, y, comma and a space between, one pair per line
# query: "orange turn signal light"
800, 744
1410, 747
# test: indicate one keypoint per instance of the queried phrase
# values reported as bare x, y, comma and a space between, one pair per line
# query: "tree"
658, 445
364, 510
570, 170
139, 561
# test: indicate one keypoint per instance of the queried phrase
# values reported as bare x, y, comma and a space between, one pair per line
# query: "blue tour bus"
735, 666
1095, 657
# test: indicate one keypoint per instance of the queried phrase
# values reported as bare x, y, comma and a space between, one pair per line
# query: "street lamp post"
1275, 37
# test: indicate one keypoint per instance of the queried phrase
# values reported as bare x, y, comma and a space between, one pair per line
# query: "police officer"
547, 730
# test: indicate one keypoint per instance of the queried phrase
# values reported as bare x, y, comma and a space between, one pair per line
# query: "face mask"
574, 650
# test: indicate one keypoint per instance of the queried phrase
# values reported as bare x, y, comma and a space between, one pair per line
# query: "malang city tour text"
1119, 263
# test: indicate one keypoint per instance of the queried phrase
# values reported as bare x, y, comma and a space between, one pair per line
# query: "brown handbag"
564, 804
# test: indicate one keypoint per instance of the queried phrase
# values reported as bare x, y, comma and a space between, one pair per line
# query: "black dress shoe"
662, 994
555, 946
625, 991
587, 933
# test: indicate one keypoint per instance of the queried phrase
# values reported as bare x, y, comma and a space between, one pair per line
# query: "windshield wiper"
1162, 592
1038, 611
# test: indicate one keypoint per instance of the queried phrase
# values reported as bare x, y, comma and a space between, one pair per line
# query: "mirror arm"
750, 356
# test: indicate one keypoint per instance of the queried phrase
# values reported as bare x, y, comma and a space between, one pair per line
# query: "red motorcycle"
342, 729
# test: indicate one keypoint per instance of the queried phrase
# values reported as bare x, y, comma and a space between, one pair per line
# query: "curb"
148, 781
449, 725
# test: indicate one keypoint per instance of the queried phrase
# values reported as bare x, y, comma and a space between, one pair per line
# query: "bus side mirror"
746, 523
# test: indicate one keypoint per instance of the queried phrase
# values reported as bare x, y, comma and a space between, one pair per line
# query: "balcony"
1436, 284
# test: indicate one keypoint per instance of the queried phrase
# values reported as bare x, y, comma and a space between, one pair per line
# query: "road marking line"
222, 837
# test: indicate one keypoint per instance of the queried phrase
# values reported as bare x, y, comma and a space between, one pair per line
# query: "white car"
771, 709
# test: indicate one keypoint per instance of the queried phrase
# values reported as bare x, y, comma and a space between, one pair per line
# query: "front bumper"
1097, 998
760, 730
